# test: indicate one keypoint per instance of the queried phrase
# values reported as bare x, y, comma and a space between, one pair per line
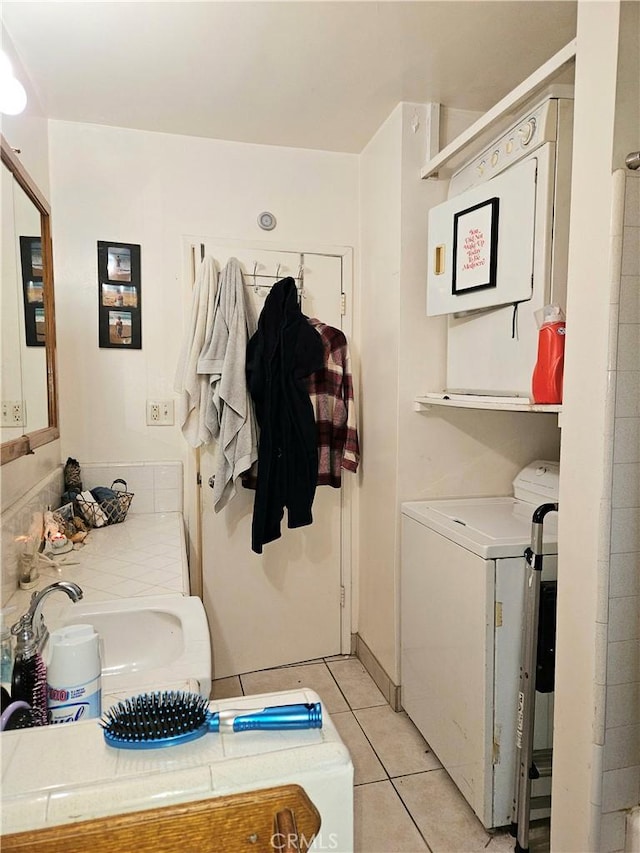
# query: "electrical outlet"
13, 413
160, 413
153, 414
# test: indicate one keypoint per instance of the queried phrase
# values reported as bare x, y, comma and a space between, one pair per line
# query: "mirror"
27, 326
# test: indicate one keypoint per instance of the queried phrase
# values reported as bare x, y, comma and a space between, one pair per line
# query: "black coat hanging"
282, 353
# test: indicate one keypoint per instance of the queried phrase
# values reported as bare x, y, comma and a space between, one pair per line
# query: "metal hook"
632, 161
278, 271
255, 283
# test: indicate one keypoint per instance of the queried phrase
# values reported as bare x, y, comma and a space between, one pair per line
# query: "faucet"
31, 616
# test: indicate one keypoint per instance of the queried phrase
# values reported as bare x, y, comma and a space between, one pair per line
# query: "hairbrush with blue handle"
154, 720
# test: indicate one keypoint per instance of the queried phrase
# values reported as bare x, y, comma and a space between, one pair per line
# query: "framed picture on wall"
119, 302
475, 247
32, 290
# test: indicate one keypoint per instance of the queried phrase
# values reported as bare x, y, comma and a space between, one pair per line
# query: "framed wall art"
119, 286
32, 290
475, 247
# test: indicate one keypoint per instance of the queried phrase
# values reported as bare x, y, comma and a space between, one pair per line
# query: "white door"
286, 604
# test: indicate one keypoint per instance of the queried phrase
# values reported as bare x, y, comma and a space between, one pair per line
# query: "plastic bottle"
546, 383
74, 689
6, 648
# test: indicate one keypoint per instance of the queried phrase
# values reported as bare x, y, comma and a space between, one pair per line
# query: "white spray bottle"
74, 689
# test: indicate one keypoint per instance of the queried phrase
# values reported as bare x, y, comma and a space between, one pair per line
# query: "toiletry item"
546, 383
51, 526
173, 717
72, 475
57, 546
28, 573
9, 711
6, 647
73, 674
29, 679
14, 715
91, 510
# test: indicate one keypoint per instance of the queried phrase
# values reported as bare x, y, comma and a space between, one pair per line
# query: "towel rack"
299, 278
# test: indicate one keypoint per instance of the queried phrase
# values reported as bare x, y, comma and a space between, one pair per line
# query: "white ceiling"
304, 74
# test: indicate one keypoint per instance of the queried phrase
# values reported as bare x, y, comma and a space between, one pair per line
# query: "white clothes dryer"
462, 592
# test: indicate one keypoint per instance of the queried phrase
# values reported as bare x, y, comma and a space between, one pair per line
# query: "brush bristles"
155, 716
30, 685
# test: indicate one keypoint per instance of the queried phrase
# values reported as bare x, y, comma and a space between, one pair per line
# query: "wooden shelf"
496, 404
504, 109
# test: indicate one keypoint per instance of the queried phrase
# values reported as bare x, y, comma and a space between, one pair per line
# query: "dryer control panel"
538, 482
531, 131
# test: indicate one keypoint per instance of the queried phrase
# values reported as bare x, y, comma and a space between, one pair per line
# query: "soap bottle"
546, 383
74, 690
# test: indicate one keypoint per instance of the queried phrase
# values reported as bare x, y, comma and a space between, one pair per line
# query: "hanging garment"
229, 413
193, 387
331, 394
282, 353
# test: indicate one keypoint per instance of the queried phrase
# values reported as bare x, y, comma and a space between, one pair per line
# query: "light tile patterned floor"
404, 800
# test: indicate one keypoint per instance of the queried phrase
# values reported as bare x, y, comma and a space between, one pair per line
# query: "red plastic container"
546, 384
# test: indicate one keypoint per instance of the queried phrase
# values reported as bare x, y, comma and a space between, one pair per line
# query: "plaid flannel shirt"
331, 394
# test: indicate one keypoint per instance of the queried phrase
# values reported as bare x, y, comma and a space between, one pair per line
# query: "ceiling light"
13, 98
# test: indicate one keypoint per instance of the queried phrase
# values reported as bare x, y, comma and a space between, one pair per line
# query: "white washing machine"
462, 590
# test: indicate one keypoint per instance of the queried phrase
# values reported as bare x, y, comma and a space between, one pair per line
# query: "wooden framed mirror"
28, 339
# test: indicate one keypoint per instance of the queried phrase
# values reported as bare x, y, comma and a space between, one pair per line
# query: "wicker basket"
109, 511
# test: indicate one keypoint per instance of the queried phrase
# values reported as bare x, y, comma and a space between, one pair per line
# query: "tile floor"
404, 800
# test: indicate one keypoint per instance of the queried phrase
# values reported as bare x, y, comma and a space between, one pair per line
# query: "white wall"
617, 637
28, 132
407, 455
152, 189
585, 522
379, 344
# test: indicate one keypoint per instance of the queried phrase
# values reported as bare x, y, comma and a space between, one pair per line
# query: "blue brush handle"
302, 716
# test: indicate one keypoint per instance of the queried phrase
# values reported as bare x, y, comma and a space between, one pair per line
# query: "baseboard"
389, 690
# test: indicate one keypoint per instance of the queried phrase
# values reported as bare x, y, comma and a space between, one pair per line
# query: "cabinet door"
254, 821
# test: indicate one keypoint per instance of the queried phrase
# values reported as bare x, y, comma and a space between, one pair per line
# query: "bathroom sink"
148, 643
136, 640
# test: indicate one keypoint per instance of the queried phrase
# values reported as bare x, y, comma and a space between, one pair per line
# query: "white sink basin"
149, 643
136, 641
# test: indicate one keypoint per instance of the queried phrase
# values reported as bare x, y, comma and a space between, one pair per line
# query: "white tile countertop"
141, 560
67, 773
83, 778
145, 555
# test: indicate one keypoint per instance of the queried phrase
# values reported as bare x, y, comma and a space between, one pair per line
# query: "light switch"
13, 413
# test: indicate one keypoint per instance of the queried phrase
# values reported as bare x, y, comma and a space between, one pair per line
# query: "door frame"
191, 255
